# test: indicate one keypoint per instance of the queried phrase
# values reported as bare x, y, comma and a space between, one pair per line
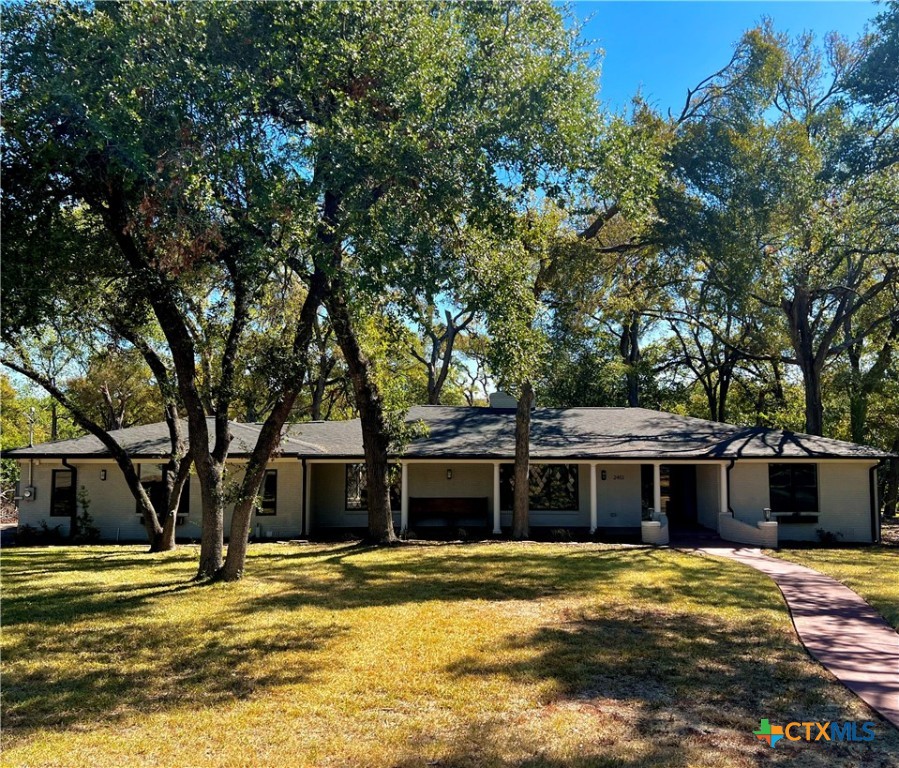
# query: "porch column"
722, 488
497, 529
592, 499
307, 498
657, 488
404, 497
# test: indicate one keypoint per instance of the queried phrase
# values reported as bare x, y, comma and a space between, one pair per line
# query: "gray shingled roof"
148, 440
487, 433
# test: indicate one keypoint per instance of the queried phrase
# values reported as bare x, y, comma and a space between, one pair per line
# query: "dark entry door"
681, 493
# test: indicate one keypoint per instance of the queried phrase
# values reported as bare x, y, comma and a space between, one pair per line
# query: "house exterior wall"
114, 510
708, 494
843, 487
328, 497
844, 501
469, 481
35, 512
749, 491
619, 502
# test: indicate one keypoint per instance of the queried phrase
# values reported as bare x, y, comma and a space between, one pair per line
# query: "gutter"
875, 508
304, 528
727, 475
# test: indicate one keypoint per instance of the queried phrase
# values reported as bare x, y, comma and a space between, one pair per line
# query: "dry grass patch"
458, 655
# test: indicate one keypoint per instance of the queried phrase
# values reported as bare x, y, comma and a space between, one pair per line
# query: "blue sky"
665, 47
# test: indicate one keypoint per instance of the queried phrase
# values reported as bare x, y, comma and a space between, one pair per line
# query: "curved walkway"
836, 626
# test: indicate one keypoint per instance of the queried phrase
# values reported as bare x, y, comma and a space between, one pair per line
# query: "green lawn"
455, 655
873, 572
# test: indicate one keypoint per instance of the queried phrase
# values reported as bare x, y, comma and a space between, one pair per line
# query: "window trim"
395, 495
794, 515
505, 487
183, 503
261, 510
53, 492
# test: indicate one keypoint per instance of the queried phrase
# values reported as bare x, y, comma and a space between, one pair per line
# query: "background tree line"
273, 213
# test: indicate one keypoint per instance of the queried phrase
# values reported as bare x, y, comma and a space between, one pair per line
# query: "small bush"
85, 531
29, 535
828, 537
560, 534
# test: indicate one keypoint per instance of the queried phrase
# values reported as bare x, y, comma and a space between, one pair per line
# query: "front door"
679, 494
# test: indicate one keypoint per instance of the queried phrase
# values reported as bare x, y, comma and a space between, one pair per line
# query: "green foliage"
84, 531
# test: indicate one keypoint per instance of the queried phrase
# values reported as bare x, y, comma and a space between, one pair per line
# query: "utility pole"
30, 418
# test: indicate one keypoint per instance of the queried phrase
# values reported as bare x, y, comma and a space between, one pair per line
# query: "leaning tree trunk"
270, 434
375, 440
521, 501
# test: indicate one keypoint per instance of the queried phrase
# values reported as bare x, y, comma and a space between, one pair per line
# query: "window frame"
147, 481
507, 496
793, 512
261, 508
54, 490
362, 504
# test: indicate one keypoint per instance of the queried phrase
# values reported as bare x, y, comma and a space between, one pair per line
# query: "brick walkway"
835, 625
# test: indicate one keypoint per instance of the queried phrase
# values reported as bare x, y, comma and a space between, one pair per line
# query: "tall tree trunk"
318, 396
375, 441
814, 406
212, 531
521, 501
858, 397
270, 434
891, 484
724, 380
629, 348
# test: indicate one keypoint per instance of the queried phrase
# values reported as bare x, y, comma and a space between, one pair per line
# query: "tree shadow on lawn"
30, 561
347, 578
495, 574
134, 665
113, 672
685, 684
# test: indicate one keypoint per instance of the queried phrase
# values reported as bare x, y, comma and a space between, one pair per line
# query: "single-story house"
594, 470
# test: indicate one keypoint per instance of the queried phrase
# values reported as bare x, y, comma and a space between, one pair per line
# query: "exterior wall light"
767, 514
103, 474
449, 474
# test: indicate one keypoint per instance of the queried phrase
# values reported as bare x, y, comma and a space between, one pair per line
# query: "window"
357, 488
553, 487
794, 491
62, 495
268, 493
153, 479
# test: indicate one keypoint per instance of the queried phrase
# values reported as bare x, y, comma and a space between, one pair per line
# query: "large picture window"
553, 487
268, 493
62, 494
357, 488
794, 488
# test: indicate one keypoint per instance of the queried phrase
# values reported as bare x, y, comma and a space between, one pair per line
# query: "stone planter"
768, 531
653, 532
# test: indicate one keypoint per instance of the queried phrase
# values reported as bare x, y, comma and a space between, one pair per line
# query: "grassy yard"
873, 572
454, 655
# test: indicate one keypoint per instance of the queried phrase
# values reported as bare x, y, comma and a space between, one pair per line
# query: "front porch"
432, 498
